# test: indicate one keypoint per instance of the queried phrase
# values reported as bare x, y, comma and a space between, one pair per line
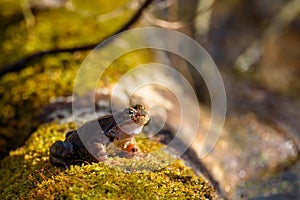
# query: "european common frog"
118, 128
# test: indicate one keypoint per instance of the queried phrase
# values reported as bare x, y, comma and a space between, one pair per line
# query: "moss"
24, 94
55, 27
27, 173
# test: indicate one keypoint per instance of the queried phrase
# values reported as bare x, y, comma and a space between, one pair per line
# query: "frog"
88, 144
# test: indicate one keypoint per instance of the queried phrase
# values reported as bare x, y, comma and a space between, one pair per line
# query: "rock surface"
26, 173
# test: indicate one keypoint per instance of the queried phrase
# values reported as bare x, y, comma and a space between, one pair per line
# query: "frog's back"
81, 152
89, 130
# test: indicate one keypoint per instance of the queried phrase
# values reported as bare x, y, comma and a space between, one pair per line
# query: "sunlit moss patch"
27, 173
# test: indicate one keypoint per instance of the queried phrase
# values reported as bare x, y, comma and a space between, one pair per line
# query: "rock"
27, 173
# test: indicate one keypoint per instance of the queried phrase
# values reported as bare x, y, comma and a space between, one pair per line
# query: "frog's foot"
57, 162
131, 147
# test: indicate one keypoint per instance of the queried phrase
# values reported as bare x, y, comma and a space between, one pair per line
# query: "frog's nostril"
139, 107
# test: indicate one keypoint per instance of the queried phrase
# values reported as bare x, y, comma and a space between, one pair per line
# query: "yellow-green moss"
60, 27
25, 93
27, 173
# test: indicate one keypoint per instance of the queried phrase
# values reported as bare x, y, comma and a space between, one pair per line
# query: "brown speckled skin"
73, 149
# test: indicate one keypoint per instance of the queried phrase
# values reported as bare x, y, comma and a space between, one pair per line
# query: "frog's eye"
131, 112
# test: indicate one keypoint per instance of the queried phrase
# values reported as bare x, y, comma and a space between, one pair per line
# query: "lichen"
26, 173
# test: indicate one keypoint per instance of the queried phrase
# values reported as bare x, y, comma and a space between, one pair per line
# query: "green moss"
24, 94
27, 173
55, 27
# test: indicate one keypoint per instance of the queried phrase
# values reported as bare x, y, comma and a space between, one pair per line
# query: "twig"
28, 15
175, 25
21, 64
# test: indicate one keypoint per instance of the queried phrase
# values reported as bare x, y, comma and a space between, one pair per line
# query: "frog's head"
131, 120
138, 114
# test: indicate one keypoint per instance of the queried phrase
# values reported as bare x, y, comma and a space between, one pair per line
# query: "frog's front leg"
97, 147
131, 149
131, 146
58, 162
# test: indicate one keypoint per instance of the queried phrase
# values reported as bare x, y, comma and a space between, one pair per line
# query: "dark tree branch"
21, 64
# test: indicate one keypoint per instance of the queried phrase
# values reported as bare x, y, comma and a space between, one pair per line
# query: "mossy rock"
24, 94
27, 174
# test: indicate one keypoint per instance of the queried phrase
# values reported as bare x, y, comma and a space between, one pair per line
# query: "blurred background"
255, 44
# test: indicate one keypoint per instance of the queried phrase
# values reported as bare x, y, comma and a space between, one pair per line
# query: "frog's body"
118, 129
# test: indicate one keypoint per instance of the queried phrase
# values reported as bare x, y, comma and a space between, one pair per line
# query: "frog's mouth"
135, 124
132, 120
140, 119
131, 128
